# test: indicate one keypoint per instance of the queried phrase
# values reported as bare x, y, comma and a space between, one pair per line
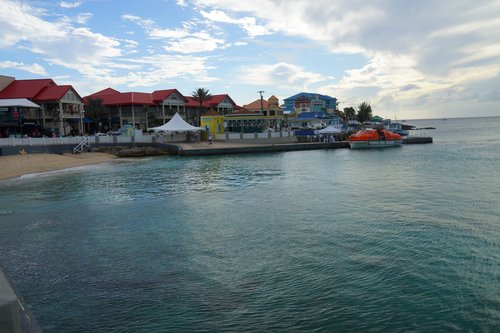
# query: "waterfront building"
242, 121
61, 107
142, 110
168, 103
314, 120
309, 102
223, 104
130, 108
270, 107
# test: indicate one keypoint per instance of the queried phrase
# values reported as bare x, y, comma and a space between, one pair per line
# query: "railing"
253, 136
9, 142
84, 143
39, 141
179, 137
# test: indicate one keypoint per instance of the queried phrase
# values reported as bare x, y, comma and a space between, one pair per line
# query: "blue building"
310, 102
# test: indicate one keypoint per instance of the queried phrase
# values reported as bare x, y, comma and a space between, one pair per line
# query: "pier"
222, 148
146, 143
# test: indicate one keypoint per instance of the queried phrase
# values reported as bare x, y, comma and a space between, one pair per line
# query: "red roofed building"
61, 106
170, 101
223, 104
144, 110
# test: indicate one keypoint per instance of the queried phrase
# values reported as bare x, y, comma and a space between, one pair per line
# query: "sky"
408, 59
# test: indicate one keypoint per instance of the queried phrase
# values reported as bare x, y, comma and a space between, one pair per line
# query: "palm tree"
200, 95
350, 112
364, 112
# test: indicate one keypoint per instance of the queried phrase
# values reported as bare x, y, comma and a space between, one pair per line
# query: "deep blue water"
395, 240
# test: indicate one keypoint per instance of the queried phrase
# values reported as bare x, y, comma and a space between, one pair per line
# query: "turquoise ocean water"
395, 240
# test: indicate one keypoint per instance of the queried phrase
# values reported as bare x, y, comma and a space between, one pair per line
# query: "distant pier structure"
417, 140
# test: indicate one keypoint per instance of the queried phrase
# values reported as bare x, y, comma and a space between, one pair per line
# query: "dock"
411, 140
222, 148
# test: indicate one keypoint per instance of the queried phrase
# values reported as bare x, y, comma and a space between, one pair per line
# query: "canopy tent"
18, 102
330, 130
176, 124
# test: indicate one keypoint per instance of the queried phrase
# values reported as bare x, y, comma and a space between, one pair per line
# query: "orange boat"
374, 138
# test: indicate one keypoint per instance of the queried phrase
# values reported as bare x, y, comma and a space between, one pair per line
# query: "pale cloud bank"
34, 68
439, 48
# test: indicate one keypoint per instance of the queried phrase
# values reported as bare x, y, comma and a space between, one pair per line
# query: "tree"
364, 112
349, 113
200, 95
94, 109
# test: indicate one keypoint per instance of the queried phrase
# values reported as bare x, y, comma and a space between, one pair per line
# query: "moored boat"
374, 138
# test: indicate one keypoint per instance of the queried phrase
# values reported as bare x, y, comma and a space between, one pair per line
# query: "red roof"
100, 93
112, 97
160, 95
53, 93
211, 102
107, 91
25, 88
129, 98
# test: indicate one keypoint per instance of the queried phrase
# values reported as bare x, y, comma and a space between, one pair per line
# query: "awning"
18, 102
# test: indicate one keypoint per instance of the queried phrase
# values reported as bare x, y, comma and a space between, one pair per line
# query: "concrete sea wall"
15, 316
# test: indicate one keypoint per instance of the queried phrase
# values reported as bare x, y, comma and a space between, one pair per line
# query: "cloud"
57, 40
34, 68
194, 45
64, 4
179, 40
249, 24
440, 47
83, 18
280, 74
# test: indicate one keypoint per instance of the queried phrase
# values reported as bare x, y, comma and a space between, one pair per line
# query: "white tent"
330, 130
176, 124
21, 102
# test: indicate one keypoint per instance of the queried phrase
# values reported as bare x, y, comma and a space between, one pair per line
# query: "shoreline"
15, 166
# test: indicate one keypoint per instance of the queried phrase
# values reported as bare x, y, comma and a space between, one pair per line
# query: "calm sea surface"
396, 240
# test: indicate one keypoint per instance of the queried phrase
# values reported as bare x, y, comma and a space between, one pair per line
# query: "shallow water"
401, 239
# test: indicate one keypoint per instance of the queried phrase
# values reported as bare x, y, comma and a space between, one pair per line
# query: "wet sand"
18, 165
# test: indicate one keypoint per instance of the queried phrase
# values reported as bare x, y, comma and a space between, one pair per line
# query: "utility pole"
261, 101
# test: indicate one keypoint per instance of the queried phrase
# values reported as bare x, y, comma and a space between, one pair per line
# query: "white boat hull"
375, 144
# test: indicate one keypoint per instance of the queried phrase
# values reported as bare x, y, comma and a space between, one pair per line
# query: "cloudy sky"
409, 59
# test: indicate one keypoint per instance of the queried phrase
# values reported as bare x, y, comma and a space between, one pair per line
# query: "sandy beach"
18, 165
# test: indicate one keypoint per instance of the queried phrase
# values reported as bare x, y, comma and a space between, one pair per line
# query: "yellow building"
213, 123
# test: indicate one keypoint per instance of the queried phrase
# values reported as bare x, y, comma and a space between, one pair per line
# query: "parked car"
319, 125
